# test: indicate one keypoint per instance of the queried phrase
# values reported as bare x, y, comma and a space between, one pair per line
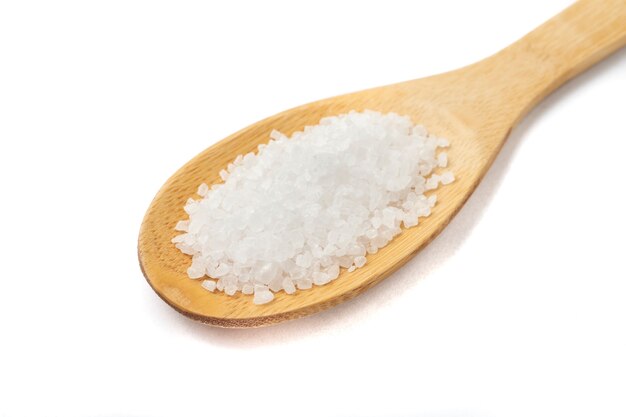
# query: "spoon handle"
524, 73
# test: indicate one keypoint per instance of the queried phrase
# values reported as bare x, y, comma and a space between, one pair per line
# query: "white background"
517, 309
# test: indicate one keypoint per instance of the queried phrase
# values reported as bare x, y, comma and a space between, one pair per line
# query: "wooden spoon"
474, 107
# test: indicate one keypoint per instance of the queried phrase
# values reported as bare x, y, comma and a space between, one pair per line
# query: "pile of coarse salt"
291, 215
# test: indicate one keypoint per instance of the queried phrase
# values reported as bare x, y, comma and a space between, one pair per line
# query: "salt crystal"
320, 278
372, 249
333, 272
203, 190
432, 182
376, 222
304, 260
276, 135
197, 268
182, 226
345, 261
359, 261
410, 221
442, 160
230, 289
276, 284
447, 178
221, 270
262, 295
389, 217
288, 286
371, 234
208, 284
304, 284
247, 289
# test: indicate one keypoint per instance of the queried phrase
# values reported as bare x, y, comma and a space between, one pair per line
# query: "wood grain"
475, 107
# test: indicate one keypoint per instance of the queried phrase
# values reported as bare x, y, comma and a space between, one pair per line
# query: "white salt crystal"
203, 190
276, 135
182, 226
276, 284
247, 289
372, 249
432, 182
221, 270
410, 221
355, 250
191, 206
359, 261
389, 217
442, 160
317, 251
266, 273
304, 284
333, 272
345, 261
262, 295
288, 286
179, 238
447, 177
320, 278
376, 222
197, 268
304, 260
303, 207
230, 289
208, 284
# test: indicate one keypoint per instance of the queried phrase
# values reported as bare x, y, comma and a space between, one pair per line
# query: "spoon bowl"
474, 107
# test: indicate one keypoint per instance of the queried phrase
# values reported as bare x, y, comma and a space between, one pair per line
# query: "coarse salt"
301, 208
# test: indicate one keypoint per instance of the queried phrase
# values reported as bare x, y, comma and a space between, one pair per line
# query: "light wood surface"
475, 107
